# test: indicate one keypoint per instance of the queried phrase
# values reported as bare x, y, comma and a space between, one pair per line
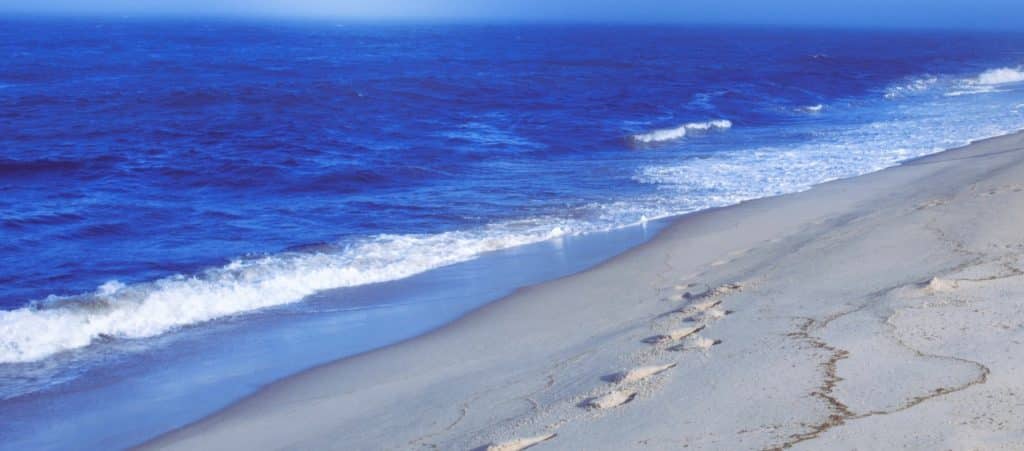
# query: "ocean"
193, 209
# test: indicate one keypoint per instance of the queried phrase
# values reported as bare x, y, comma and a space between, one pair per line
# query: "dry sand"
880, 312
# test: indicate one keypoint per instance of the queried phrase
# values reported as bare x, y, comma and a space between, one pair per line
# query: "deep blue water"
162, 177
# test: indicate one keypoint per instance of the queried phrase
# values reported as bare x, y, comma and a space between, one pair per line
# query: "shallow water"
125, 392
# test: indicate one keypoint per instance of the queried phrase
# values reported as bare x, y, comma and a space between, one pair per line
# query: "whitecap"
671, 134
1000, 76
913, 86
117, 310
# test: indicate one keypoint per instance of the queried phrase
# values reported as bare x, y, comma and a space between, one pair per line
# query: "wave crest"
672, 134
987, 81
1001, 76
117, 310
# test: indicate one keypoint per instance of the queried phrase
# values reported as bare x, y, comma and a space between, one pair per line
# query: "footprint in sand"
697, 308
519, 443
696, 342
674, 335
710, 315
691, 295
701, 302
719, 291
638, 374
613, 399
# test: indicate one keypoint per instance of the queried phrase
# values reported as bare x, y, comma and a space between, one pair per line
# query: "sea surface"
192, 209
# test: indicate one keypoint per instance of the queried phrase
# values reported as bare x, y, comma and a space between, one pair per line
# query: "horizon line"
479, 20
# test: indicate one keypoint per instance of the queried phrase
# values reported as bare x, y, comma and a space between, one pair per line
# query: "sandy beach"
878, 312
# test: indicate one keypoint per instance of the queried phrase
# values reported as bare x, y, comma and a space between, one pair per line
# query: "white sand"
881, 312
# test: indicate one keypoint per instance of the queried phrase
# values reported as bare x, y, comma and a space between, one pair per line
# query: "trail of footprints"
701, 310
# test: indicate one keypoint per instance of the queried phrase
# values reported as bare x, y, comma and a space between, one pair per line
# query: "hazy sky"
1002, 14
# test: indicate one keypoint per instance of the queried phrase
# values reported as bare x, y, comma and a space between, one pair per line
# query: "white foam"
1001, 76
914, 86
972, 90
671, 134
116, 310
915, 128
986, 82
813, 108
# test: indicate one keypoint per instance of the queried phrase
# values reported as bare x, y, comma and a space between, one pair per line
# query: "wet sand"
882, 311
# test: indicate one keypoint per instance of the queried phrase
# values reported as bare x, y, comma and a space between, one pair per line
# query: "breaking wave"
1000, 76
117, 310
988, 81
671, 134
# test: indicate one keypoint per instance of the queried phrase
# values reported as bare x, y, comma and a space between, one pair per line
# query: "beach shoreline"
815, 289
